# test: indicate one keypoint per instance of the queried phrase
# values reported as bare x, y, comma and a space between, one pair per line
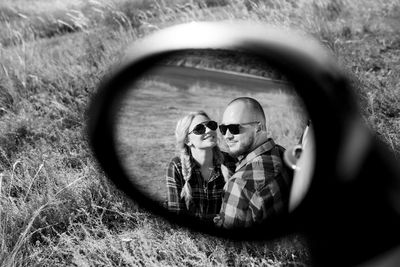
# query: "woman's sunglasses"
201, 127
233, 128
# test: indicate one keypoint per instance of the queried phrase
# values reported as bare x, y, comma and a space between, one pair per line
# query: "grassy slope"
57, 207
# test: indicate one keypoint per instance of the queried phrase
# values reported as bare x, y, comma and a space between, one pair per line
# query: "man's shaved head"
246, 112
248, 109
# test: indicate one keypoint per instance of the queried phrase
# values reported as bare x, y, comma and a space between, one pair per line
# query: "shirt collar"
268, 145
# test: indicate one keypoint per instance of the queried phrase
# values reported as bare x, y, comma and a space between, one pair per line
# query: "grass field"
57, 207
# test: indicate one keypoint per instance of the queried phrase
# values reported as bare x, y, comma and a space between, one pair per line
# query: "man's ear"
261, 127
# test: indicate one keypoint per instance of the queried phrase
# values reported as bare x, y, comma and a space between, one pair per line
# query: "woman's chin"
210, 143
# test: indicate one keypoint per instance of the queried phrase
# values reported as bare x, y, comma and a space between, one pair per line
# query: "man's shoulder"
268, 159
278, 149
266, 164
275, 153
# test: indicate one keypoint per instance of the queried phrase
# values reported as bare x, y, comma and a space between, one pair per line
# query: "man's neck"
260, 139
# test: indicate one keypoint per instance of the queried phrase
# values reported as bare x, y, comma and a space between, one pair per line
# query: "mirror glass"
202, 80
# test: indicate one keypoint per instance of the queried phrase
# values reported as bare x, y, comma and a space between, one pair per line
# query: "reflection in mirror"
208, 80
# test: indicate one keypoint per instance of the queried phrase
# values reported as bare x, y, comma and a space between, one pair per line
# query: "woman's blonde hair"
181, 135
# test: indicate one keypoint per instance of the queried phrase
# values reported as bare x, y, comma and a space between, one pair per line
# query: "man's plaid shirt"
259, 189
206, 195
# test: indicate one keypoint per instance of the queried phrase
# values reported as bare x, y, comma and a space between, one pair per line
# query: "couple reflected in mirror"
239, 182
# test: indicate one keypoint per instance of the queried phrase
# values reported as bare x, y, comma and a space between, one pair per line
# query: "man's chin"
235, 152
238, 150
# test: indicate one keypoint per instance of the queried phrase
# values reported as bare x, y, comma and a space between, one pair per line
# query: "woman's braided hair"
181, 134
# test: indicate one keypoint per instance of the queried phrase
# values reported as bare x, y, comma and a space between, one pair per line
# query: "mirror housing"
336, 210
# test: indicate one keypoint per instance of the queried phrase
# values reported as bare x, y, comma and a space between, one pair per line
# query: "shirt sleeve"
263, 203
271, 196
174, 181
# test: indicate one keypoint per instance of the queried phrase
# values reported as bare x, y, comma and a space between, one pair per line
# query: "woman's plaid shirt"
206, 195
258, 190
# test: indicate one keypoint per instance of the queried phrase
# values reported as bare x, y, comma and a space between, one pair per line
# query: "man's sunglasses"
201, 127
233, 128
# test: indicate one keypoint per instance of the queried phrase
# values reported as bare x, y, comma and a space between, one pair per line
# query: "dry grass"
57, 208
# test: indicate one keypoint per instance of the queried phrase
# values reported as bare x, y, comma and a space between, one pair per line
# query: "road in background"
182, 77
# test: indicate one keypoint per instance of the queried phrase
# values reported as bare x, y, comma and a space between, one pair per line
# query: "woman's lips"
209, 137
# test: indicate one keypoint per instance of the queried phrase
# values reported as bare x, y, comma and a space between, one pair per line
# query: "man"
259, 188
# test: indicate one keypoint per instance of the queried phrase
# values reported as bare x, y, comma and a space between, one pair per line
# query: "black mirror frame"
329, 101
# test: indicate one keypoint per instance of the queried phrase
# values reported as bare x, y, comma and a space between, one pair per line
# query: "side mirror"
346, 185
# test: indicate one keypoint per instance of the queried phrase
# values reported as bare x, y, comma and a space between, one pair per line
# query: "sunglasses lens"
212, 125
233, 128
199, 129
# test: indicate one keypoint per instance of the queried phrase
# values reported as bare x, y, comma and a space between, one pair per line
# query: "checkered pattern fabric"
206, 195
258, 190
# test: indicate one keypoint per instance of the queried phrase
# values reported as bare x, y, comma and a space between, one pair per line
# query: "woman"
196, 177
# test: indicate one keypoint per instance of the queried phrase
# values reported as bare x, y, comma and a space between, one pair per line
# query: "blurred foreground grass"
56, 206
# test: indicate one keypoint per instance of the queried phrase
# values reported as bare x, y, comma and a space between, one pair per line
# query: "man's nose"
228, 134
